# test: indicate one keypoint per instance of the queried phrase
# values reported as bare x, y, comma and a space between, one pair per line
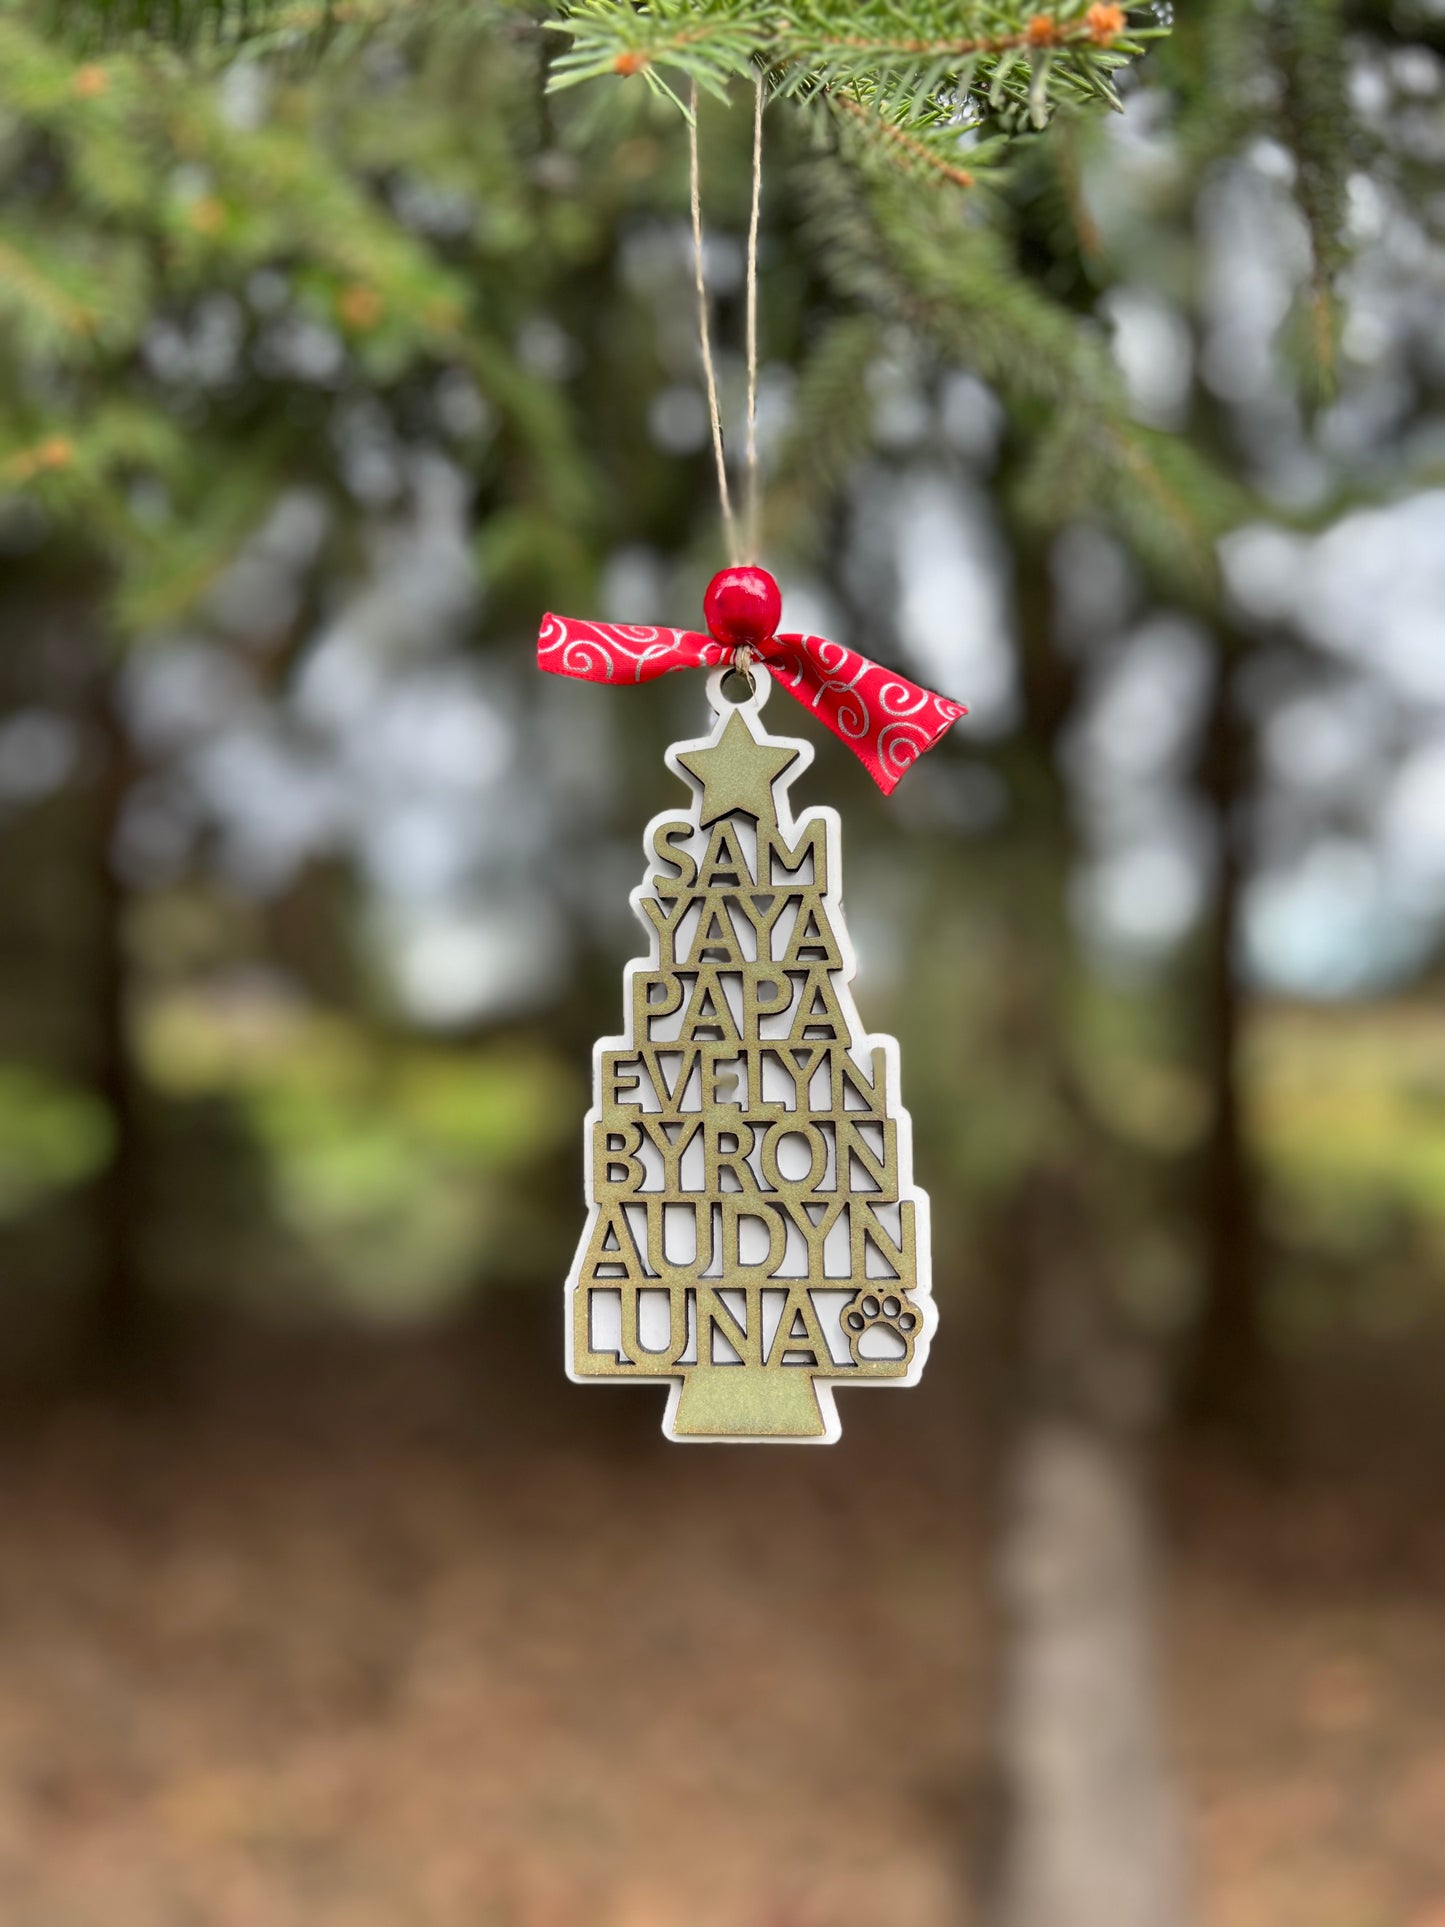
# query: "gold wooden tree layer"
754, 1236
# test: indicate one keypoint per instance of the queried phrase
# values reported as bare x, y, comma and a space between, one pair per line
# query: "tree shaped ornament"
754, 1236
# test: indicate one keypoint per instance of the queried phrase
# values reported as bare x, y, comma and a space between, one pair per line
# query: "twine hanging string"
750, 518
747, 551
705, 335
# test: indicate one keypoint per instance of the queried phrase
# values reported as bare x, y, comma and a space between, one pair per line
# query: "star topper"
738, 771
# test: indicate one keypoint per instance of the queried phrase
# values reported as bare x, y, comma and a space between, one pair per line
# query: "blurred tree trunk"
1226, 1383
1087, 1833
118, 1295
1090, 1832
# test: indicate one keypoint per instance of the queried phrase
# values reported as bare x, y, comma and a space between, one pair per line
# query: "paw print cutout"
882, 1328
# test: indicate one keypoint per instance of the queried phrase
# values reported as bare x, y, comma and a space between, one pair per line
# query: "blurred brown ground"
417, 1635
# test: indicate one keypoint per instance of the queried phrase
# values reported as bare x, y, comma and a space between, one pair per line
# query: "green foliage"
307, 27
905, 86
138, 188
1350, 1113
51, 1135
1318, 127
1168, 501
704, 45
957, 284
830, 432
389, 1166
898, 103
906, 89
130, 191
1278, 73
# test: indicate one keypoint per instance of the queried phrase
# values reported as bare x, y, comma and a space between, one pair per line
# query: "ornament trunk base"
731, 1401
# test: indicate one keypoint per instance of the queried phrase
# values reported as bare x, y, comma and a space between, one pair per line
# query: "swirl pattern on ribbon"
886, 720
622, 651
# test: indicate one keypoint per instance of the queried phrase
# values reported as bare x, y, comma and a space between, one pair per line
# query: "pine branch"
167, 573
909, 82
1279, 74
310, 27
76, 462
273, 189
1162, 496
1030, 58
955, 285
92, 108
68, 298
138, 195
1309, 46
912, 84
709, 44
830, 430
895, 143
120, 123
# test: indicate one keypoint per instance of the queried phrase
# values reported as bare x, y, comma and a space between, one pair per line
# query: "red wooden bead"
742, 605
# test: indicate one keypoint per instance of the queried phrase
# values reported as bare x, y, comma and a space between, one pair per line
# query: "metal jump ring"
745, 662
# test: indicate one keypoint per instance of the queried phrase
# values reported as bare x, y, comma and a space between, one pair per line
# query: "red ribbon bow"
886, 720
